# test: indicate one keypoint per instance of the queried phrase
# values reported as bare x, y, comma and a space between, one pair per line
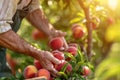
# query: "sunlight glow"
50, 2
112, 4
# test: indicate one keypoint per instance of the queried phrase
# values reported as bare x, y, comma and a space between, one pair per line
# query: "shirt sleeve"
4, 27
6, 16
34, 5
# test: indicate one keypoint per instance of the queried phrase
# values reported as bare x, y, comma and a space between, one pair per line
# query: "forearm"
39, 20
12, 41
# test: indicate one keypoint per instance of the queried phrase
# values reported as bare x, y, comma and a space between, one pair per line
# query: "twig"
89, 28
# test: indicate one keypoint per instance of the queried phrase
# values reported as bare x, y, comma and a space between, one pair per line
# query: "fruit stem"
89, 28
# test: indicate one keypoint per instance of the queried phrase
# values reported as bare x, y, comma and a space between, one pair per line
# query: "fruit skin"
62, 64
56, 43
29, 71
110, 20
78, 32
72, 50
86, 71
12, 63
51, 78
43, 72
37, 64
74, 26
59, 55
37, 34
95, 22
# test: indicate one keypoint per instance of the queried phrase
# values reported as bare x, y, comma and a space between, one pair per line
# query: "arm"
12, 41
39, 20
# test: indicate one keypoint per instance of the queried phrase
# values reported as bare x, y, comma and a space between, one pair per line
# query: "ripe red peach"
56, 43
51, 78
95, 22
29, 71
43, 72
72, 50
59, 55
110, 20
37, 34
86, 70
37, 64
78, 32
62, 64
12, 63
74, 26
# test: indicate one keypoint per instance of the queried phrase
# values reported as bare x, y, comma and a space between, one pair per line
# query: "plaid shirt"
8, 9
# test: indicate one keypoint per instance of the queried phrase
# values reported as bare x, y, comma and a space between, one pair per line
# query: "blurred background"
65, 13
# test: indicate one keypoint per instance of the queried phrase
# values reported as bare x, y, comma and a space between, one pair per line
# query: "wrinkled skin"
12, 41
39, 20
15, 43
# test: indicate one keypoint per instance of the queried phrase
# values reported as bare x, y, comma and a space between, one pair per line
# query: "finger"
54, 60
65, 43
54, 72
57, 33
49, 66
50, 57
60, 33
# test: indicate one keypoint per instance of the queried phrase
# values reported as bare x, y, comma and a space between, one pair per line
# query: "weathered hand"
46, 59
56, 33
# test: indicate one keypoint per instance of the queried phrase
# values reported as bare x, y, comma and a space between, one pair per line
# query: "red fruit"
56, 43
37, 64
51, 78
68, 59
78, 32
12, 63
95, 22
59, 55
62, 64
37, 34
86, 70
43, 72
110, 20
74, 26
29, 72
72, 50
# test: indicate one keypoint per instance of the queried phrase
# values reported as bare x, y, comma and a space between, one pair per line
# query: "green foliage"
113, 32
109, 68
77, 63
63, 14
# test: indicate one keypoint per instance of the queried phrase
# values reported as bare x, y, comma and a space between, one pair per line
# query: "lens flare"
112, 4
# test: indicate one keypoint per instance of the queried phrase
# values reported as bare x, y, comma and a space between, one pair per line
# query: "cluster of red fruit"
56, 44
36, 70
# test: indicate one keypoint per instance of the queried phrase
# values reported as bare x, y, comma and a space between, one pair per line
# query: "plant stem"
89, 28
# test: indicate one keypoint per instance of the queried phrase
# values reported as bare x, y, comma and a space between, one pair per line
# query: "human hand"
46, 59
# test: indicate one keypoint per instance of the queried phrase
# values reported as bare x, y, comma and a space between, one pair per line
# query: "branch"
89, 28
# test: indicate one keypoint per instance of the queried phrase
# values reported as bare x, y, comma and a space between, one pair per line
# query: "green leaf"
63, 75
75, 20
64, 67
81, 14
78, 66
80, 55
70, 56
